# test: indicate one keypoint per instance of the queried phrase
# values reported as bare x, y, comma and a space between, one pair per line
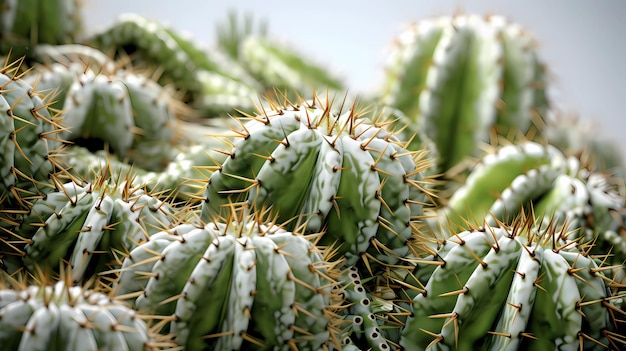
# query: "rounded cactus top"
328, 170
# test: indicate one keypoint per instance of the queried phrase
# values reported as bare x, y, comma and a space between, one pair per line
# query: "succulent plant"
464, 79
327, 171
277, 65
134, 115
29, 139
26, 23
531, 177
91, 226
180, 61
513, 287
66, 317
237, 284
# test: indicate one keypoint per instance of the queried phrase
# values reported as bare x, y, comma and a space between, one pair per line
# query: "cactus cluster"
450, 212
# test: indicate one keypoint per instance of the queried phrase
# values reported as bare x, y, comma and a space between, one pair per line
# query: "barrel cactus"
464, 80
26, 23
238, 284
330, 172
91, 226
513, 287
132, 114
66, 317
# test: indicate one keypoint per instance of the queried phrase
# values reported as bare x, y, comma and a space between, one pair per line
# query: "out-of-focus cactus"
465, 79
26, 23
211, 80
132, 114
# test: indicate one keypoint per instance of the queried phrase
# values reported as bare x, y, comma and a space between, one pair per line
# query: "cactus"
29, 140
278, 66
26, 23
192, 69
463, 80
238, 284
331, 172
91, 226
65, 317
134, 115
529, 176
513, 287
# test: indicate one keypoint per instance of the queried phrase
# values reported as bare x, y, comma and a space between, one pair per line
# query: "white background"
582, 41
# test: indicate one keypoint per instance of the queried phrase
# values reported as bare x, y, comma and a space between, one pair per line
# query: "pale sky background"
582, 41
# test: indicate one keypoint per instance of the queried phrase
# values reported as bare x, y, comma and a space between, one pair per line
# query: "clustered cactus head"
240, 283
514, 287
327, 171
29, 139
66, 317
464, 79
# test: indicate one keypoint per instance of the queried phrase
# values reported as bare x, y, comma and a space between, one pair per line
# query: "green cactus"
239, 284
279, 66
465, 79
531, 177
26, 23
64, 317
497, 288
332, 172
194, 70
134, 115
91, 226
29, 140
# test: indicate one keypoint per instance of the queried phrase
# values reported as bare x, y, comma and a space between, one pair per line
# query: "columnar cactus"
500, 288
331, 172
26, 23
240, 284
91, 226
134, 115
179, 61
65, 317
465, 79
278, 66
29, 139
